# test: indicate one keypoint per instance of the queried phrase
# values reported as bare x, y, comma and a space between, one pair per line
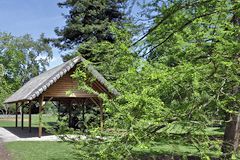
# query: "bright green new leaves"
190, 77
202, 39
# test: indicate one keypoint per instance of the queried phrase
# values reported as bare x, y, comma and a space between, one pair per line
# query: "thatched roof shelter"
53, 84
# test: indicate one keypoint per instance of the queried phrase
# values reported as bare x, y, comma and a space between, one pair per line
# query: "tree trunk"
231, 135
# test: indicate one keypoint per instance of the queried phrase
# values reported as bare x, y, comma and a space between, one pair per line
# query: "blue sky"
34, 17
20, 17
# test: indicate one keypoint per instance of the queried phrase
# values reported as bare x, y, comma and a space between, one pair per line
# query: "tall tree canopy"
88, 23
188, 77
5, 90
204, 35
23, 58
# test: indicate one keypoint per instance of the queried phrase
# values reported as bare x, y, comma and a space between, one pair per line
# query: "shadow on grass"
166, 151
167, 156
24, 133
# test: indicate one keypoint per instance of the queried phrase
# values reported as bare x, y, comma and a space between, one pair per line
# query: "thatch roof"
37, 85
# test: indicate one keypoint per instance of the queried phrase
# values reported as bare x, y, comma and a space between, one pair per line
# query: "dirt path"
4, 155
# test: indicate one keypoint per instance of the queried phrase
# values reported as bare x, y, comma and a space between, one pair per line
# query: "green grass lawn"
4, 123
176, 148
64, 151
40, 150
37, 150
48, 121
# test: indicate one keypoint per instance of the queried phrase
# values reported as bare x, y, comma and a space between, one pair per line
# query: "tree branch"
167, 16
186, 24
179, 29
162, 126
200, 57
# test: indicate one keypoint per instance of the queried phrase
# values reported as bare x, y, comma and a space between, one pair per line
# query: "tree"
204, 33
4, 91
23, 58
187, 80
88, 23
231, 134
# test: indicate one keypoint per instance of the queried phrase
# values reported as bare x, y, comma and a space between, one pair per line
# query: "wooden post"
101, 116
30, 117
16, 114
40, 115
22, 114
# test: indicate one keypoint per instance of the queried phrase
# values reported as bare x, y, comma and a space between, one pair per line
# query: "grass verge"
32, 150
48, 120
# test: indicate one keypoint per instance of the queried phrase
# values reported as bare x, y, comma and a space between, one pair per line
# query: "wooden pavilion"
53, 84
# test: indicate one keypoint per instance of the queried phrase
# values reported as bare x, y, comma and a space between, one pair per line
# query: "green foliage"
188, 78
118, 57
204, 35
88, 22
209, 44
5, 91
23, 58
4, 88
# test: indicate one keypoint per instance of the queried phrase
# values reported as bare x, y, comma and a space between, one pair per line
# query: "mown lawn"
176, 149
48, 120
37, 150
64, 151
40, 150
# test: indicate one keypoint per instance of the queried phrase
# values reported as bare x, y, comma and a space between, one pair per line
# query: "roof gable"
37, 85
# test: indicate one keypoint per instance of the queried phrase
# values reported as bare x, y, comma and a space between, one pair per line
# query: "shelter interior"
66, 103
53, 86
74, 108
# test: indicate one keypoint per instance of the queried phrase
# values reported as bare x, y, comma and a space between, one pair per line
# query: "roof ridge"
37, 85
53, 78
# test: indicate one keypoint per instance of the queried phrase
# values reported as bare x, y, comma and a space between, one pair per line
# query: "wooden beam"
40, 115
56, 105
94, 101
101, 116
22, 115
30, 117
48, 101
16, 114
101, 87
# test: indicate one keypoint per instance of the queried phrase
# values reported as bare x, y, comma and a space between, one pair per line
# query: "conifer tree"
87, 23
